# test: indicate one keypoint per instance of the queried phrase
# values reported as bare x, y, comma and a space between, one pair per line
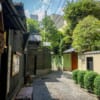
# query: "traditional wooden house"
70, 60
11, 68
89, 61
38, 58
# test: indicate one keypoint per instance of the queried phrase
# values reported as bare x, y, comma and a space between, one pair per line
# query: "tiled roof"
92, 52
69, 50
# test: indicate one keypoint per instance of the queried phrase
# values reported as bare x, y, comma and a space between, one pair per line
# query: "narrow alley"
46, 46
59, 86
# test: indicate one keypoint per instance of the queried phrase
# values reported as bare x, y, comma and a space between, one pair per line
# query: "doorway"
3, 76
35, 64
89, 63
74, 61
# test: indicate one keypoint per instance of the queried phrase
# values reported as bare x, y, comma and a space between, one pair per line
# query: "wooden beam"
2, 0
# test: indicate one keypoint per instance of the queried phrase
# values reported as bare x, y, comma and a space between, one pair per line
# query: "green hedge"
89, 80
81, 75
97, 86
75, 76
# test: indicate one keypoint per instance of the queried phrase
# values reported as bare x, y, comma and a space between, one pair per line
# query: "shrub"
81, 75
89, 80
97, 86
75, 76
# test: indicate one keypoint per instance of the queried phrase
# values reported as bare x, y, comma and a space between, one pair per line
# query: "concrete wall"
57, 62
82, 63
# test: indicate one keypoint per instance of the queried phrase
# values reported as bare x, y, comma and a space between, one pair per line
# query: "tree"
50, 34
66, 39
32, 25
78, 9
86, 35
49, 27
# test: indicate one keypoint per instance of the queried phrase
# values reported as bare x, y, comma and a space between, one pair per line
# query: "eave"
11, 16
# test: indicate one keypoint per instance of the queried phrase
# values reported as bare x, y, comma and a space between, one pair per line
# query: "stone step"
25, 94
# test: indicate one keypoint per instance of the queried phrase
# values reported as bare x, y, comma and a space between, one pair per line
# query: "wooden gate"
74, 61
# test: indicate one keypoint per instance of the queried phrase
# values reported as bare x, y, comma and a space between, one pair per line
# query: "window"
16, 64
90, 63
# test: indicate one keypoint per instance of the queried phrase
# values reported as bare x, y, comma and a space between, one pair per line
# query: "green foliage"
86, 35
97, 85
57, 61
51, 34
65, 43
89, 80
66, 39
49, 25
74, 12
77, 10
81, 78
75, 75
32, 25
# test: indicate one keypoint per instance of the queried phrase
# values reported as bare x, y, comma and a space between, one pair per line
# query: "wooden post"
1, 30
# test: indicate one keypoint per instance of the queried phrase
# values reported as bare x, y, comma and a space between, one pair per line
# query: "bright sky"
39, 6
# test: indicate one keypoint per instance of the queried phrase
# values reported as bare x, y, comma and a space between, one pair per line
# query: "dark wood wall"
12, 60
38, 58
3, 61
15, 47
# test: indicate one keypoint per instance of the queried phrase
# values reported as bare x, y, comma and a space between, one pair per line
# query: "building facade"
38, 57
70, 60
89, 61
12, 60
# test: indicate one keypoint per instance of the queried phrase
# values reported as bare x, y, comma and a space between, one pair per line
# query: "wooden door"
35, 64
74, 61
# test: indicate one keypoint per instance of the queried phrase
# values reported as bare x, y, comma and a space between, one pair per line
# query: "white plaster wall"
82, 64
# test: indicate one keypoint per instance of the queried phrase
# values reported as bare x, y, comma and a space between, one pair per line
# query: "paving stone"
59, 86
25, 94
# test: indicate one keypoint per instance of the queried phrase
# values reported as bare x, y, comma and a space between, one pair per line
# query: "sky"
40, 6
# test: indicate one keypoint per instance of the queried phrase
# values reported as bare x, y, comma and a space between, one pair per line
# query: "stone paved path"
59, 86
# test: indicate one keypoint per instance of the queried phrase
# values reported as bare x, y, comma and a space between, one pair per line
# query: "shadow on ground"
68, 75
55, 74
40, 90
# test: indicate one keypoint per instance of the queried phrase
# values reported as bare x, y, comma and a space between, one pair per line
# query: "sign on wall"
16, 64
